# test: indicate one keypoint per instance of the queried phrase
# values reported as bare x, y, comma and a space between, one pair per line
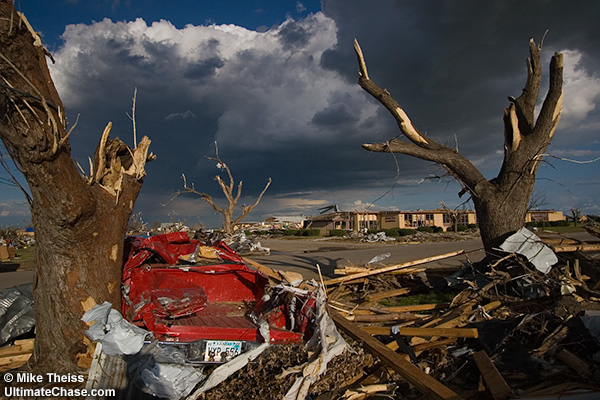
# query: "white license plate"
222, 350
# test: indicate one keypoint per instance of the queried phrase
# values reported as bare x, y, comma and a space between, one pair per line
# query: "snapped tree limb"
501, 202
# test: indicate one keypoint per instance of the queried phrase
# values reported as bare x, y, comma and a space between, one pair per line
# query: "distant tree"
136, 223
538, 199
79, 221
452, 215
500, 203
228, 189
576, 214
13, 180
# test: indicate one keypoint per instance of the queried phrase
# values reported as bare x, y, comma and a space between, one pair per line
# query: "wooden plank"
446, 332
552, 340
418, 349
391, 268
389, 293
425, 383
271, 273
425, 332
577, 364
17, 355
19, 347
498, 387
414, 307
390, 317
13, 362
576, 247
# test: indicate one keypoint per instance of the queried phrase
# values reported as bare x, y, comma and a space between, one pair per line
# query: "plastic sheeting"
331, 344
118, 336
17, 315
527, 244
171, 381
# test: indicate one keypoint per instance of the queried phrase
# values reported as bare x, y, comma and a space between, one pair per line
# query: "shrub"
309, 232
428, 229
338, 232
290, 232
406, 232
391, 232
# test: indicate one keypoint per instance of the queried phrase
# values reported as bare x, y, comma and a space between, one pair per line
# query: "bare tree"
79, 221
136, 223
576, 214
452, 215
538, 199
228, 189
500, 203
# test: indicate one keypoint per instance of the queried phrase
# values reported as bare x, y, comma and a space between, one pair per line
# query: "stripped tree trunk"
79, 221
500, 203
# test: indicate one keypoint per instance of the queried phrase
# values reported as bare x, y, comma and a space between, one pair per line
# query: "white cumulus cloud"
581, 90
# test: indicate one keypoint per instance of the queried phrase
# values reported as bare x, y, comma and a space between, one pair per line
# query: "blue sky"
274, 83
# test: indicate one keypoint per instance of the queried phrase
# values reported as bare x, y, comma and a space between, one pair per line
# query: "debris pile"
245, 246
525, 325
377, 237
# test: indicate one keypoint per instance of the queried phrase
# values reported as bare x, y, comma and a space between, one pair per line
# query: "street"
302, 255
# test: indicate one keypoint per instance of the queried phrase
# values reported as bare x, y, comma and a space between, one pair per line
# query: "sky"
274, 84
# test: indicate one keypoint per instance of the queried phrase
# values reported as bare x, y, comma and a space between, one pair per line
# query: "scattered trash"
117, 335
379, 258
525, 325
17, 315
377, 237
244, 246
526, 243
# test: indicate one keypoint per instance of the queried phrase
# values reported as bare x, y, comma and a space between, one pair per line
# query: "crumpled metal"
17, 315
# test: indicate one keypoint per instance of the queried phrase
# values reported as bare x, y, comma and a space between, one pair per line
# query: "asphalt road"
303, 255
14, 278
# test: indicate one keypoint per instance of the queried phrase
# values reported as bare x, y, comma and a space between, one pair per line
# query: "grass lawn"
24, 257
564, 229
421, 298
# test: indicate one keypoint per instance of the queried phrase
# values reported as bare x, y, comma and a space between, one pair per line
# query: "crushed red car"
203, 302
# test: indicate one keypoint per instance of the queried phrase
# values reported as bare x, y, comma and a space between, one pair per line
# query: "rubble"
377, 237
511, 329
524, 325
244, 246
16, 312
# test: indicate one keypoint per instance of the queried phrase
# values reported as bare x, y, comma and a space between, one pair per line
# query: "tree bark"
500, 203
79, 221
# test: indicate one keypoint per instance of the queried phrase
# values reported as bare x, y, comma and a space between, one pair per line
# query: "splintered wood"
502, 327
15, 356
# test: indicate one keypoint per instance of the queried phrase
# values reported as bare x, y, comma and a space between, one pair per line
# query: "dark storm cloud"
285, 104
203, 70
334, 115
293, 35
451, 65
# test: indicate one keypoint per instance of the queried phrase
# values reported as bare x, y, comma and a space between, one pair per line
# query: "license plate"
221, 350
